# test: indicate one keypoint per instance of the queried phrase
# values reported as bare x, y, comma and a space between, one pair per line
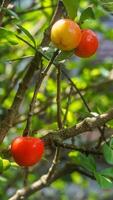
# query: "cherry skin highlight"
27, 151
66, 34
88, 45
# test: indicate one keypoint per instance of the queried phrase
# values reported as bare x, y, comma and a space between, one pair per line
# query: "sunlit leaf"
104, 182
108, 172
6, 164
28, 34
87, 14
71, 7
8, 36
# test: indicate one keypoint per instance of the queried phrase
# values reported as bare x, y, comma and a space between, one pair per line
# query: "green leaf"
71, 7
8, 36
10, 12
47, 51
104, 182
64, 55
108, 153
107, 5
13, 164
6, 164
86, 162
92, 161
3, 179
28, 34
108, 172
87, 14
111, 143
1, 164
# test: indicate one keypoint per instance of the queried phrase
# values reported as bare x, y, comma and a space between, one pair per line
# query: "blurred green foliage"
22, 32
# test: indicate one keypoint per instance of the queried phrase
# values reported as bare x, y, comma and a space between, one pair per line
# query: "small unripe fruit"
66, 34
88, 44
27, 151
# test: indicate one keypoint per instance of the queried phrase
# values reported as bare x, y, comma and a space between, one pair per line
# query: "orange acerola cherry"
66, 34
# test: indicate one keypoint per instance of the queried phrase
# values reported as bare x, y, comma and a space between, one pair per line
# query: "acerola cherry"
27, 151
66, 34
88, 44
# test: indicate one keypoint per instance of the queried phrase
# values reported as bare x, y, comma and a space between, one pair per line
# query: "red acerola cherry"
88, 44
27, 151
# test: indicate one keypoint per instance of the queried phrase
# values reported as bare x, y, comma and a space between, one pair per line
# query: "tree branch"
88, 124
41, 183
4, 5
73, 147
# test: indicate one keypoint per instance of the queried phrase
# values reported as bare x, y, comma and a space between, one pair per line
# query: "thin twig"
35, 9
22, 118
53, 165
16, 59
73, 147
26, 173
59, 122
68, 103
76, 88
37, 87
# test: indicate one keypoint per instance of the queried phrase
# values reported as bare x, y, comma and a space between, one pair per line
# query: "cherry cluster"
67, 35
